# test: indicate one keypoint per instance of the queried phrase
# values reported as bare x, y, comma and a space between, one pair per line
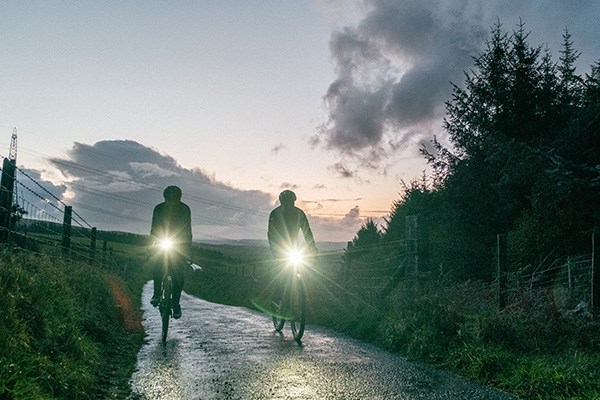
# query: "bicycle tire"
278, 312
165, 305
298, 310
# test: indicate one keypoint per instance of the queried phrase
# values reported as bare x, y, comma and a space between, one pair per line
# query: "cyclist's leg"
177, 284
278, 277
177, 272
157, 275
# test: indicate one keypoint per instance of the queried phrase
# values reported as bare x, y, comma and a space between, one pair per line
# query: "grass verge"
533, 352
67, 330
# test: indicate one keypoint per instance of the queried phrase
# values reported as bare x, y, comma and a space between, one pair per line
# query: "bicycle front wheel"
278, 311
165, 305
298, 310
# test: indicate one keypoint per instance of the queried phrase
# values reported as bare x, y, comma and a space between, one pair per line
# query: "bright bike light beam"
165, 244
295, 257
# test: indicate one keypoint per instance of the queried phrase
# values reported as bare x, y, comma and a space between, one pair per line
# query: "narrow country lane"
223, 352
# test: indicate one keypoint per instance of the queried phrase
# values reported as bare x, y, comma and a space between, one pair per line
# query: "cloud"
114, 185
394, 66
277, 149
330, 200
393, 75
337, 229
148, 169
117, 183
341, 170
352, 218
40, 204
288, 185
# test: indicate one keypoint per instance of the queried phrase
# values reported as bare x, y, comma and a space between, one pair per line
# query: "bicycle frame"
292, 303
165, 305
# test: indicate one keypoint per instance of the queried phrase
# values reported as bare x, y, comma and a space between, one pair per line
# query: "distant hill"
323, 246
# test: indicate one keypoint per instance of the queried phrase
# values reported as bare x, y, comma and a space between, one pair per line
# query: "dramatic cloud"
395, 65
125, 179
394, 70
114, 185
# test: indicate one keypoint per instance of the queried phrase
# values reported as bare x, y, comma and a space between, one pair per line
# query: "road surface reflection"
223, 352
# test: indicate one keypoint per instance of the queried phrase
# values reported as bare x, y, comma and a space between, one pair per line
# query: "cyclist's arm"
271, 233
187, 230
155, 226
307, 232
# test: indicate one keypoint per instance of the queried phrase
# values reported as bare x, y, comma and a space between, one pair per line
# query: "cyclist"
172, 219
285, 223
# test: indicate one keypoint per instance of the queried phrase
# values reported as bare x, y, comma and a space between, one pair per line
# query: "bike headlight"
165, 244
295, 257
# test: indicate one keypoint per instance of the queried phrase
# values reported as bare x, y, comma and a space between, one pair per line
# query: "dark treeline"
521, 157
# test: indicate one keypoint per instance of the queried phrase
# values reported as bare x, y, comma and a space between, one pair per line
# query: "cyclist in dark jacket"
285, 224
172, 219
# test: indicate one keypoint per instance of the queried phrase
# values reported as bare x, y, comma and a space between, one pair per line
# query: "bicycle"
291, 304
165, 305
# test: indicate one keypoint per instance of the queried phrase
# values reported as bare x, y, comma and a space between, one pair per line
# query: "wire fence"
567, 285
35, 219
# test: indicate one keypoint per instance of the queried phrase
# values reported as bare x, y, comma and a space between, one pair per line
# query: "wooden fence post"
104, 244
93, 244
595, 272
7, 182
502, 270
66, 239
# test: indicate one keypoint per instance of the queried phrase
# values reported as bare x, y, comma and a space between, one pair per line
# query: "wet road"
222, 352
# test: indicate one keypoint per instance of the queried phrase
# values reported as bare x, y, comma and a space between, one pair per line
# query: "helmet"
287, 197
172, 192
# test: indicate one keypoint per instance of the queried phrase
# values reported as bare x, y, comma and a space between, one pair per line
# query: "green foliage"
524, 159
366, 240
57, 328
418, 198
534, 353
367, 236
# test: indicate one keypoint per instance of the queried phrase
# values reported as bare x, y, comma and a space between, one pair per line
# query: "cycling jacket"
285, 223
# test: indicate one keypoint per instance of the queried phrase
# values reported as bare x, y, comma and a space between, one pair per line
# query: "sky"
235, 101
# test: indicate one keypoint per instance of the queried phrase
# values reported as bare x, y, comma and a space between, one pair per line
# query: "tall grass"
535, 352
60, 330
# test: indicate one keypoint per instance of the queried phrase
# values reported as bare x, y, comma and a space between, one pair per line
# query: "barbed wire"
45, 217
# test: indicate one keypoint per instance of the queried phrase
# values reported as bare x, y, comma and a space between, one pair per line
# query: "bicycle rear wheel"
298, 310
165, 305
